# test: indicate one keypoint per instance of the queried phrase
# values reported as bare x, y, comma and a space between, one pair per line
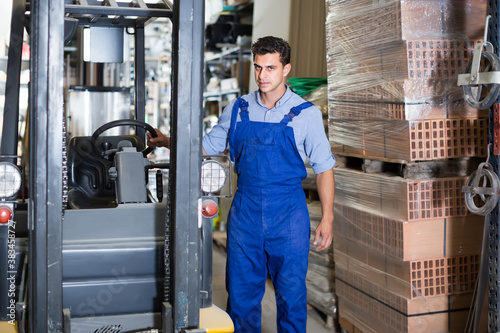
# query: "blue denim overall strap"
295, 111
240, 103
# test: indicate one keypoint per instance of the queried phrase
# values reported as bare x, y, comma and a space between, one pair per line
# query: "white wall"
270, 18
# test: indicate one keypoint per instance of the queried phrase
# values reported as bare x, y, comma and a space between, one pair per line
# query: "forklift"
84, 244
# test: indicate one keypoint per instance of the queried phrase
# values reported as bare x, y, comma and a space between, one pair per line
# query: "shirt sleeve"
317, 146
215, 141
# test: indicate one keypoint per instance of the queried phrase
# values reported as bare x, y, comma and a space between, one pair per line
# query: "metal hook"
486, 26
488, 153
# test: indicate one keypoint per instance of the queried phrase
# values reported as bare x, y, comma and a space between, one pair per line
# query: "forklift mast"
47, 23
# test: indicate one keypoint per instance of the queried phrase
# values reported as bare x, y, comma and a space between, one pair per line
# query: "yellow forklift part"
215, 320
8, 327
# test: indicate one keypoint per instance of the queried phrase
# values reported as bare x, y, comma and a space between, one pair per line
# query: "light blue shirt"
307, 127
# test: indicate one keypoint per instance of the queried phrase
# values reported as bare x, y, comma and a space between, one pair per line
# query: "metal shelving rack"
238, 52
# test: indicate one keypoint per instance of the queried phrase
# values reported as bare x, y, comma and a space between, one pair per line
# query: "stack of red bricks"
406, 251
392, 68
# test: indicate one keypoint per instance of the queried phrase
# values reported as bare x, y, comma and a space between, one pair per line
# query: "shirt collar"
288, 94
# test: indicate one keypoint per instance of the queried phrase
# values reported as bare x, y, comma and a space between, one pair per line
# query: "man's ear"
286, 69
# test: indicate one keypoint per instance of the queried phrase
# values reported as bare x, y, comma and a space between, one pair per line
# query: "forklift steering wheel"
124, 122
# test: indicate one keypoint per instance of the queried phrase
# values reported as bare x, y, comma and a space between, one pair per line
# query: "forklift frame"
46, 141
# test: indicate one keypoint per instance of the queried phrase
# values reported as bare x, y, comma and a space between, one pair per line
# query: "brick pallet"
367, 23
409, 75
382, 46
430, 257
413, 59
419, 170
399, 198
402, 100
400, 303
409, 141
406, 251
368, 315
445, 276
407, 240
412, 241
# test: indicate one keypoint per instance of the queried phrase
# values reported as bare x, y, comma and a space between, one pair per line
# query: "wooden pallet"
329, 319
456, 167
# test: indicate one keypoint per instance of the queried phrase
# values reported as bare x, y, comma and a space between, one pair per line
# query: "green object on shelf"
305, 85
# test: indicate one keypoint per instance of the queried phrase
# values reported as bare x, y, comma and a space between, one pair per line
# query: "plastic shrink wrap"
406, 251
320, 278
398, 61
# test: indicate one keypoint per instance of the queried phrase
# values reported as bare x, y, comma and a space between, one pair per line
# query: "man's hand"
326, 190
325, 231
160, 141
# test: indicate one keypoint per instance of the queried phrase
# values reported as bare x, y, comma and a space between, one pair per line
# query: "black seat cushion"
89, 184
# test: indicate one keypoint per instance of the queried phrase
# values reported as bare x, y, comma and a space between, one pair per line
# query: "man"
270, 133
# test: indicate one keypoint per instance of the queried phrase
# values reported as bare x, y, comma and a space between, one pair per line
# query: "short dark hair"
270, 44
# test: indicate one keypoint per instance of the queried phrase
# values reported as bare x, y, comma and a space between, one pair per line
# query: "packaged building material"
412, 80
366, 23
402, 100
399, 60
406, 250
372, 40
320, 278
413, 59
405, 240
409, 279
369, 315
395, 275
407, 141
400, 303
399, 198
320, 283
378, 297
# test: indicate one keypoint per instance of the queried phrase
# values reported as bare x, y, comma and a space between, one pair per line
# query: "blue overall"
268, 224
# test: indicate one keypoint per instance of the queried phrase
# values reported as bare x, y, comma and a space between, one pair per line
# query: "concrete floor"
315, 320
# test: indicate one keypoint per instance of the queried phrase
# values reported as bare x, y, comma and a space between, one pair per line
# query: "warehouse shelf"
227, 50
211, 94
231, 62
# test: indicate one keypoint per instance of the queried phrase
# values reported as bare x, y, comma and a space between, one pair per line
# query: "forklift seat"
89, 184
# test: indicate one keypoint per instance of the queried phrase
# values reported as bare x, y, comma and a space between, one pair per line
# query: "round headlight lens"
213, 176
10, 180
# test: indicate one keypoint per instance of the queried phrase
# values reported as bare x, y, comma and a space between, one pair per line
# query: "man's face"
269, 72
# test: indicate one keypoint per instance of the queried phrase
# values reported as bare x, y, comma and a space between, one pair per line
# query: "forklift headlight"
10, 180
213, 176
